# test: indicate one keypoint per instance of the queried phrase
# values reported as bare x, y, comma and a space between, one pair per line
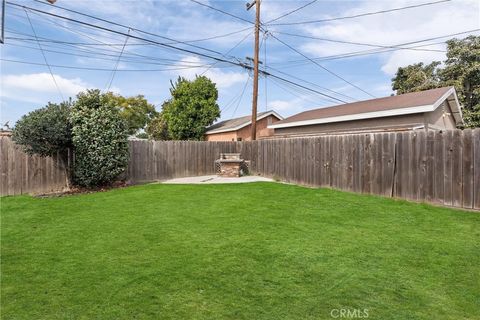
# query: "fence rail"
435, 166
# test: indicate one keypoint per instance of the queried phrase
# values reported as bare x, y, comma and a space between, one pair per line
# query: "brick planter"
230, 165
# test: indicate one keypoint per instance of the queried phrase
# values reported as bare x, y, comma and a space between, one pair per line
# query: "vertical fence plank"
468, 169
448, 169
457, 175
439, 163
476, 168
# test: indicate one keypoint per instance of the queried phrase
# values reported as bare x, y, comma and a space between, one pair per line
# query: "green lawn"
238, 251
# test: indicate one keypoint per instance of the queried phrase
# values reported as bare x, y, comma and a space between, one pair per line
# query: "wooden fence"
435, 166
160, 160
438, 167
21, 173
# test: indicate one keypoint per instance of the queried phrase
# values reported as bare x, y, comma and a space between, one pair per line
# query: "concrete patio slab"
216, 179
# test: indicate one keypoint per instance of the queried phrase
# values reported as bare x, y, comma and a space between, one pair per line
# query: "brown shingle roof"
413, 99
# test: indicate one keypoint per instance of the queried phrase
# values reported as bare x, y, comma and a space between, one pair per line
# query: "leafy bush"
45, 131
99, 135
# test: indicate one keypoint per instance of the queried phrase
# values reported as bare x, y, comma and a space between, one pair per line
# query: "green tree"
461, 69
137, 111
99, 135
192, 107
416, 77
46, 132
157, 128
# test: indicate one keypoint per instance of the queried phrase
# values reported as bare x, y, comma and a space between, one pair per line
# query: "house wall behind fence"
21, 173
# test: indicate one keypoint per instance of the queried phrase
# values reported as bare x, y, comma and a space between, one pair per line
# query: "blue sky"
26, 87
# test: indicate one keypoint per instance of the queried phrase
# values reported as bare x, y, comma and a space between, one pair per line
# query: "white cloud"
223, 79
39, 88
394, 28
43, 82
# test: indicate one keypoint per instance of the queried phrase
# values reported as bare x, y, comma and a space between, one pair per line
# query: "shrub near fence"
438, 167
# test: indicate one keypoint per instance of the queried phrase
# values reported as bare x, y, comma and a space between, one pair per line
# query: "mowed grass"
238, 251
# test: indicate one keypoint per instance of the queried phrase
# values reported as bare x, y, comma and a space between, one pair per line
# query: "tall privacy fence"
21, 173
438, 167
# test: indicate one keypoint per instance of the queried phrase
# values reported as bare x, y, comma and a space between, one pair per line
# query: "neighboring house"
435, 109
239, 129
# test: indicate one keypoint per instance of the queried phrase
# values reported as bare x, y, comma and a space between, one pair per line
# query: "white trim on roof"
380, 114
243, 125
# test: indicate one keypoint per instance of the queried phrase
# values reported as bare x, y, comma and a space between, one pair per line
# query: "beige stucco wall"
441, 118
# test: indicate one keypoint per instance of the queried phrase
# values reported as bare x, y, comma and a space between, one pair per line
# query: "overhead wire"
322, 67
45, 57
356, 43
116, 63
222, 11
130, 27
359, 15
164, 45
291, 12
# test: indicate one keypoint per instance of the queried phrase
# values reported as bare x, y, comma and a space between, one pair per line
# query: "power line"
241, 96
359, 15
104, 50
302, 86
322, 67
222, 11
124, 34
130, 28
147, 44
100, 69
371, 51
167, 46
116, 63
44, 57
290, 12
227, 53
100, 56
313, 84
356, 43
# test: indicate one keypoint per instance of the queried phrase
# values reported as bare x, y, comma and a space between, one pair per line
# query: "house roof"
238, 123
415, 102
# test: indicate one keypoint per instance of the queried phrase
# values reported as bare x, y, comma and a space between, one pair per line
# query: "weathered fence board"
21, 173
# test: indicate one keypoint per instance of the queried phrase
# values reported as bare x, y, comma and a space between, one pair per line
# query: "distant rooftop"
414, 102
238, 123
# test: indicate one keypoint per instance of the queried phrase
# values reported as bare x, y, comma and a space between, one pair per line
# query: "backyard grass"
237, 251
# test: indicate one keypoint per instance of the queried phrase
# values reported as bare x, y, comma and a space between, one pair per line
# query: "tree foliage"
136, 110
99, 135
192, 107
461, 69
45, 131
416, 77
157, 129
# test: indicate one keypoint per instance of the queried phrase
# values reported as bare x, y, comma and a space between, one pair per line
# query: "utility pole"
255, 66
